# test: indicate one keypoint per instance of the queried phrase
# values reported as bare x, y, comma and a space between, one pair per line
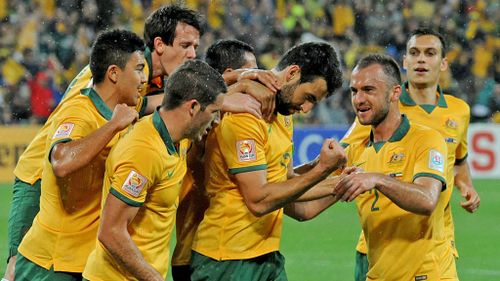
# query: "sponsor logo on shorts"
64, 130
246, 150
420, 277
134, 183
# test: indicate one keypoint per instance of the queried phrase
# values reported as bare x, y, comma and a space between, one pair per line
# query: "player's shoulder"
419, 132
456, 104
241, 120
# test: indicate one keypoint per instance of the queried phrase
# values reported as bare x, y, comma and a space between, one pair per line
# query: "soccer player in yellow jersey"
83, 130
404, 172
423, 102
228, 57
144, 176
248, 163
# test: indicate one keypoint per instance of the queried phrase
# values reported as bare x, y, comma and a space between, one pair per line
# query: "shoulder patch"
64, 130
436, 160
134, 183
246, 150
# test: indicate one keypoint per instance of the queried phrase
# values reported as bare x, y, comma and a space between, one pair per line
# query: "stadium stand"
45, 43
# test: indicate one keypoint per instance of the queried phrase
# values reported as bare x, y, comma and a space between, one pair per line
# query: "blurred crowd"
45, 43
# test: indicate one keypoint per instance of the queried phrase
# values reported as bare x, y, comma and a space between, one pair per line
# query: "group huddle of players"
147, 138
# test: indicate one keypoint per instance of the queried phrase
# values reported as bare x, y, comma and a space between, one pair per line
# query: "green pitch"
323, 249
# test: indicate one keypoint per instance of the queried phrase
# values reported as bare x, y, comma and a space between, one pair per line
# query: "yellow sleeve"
70, 124
133, 174
356, 133
461, 151
242, 140
431, 157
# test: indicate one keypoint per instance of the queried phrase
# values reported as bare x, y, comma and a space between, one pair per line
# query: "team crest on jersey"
134, 183
396, 158
64, 130
246, 150
436, 160
451, 124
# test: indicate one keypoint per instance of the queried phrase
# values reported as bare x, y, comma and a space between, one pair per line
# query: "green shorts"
266, 267
361, 267
26, 270
25, 206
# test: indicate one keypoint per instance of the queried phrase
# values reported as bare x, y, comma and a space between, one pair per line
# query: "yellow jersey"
64, 231
146, 173
242, 143
450, 117
402, 245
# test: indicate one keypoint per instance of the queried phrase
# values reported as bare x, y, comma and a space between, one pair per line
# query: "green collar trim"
101, 106
398, 135
149, 60
164, 134
407, 100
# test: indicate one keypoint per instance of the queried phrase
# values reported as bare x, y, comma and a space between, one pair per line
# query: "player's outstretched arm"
114, 236
71, 156
419, 197
262, 197
463, 182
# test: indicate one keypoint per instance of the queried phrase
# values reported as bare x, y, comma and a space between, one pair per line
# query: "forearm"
322, 189
69, 157
121, 247
304, 168
463, 180
303, 211
280, 194
408, 196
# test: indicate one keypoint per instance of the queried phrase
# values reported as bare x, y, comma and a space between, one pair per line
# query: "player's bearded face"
284, 99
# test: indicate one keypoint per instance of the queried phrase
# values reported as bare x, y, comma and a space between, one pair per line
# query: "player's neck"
107, 94
425, 94
385, 130
156, 68
174, 122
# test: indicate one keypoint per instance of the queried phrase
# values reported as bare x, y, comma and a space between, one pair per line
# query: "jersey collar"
101, 106
407, 100
163, 131
398, 135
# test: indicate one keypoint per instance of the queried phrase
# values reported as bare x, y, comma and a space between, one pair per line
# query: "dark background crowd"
45, 43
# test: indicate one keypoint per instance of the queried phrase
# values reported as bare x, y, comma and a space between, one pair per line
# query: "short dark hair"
316, 60
388, 64
194, 79
112, 47
227, 53
421, 31
163, 22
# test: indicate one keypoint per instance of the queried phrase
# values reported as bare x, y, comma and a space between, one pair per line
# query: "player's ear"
444, 64
396, 93
194, 106
159, 45
292, 73
112, 73
227, 70
405, 64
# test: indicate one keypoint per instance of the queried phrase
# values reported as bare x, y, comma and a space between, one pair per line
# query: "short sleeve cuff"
437, 177
57, 142
247, 169
461, 160
124, 198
